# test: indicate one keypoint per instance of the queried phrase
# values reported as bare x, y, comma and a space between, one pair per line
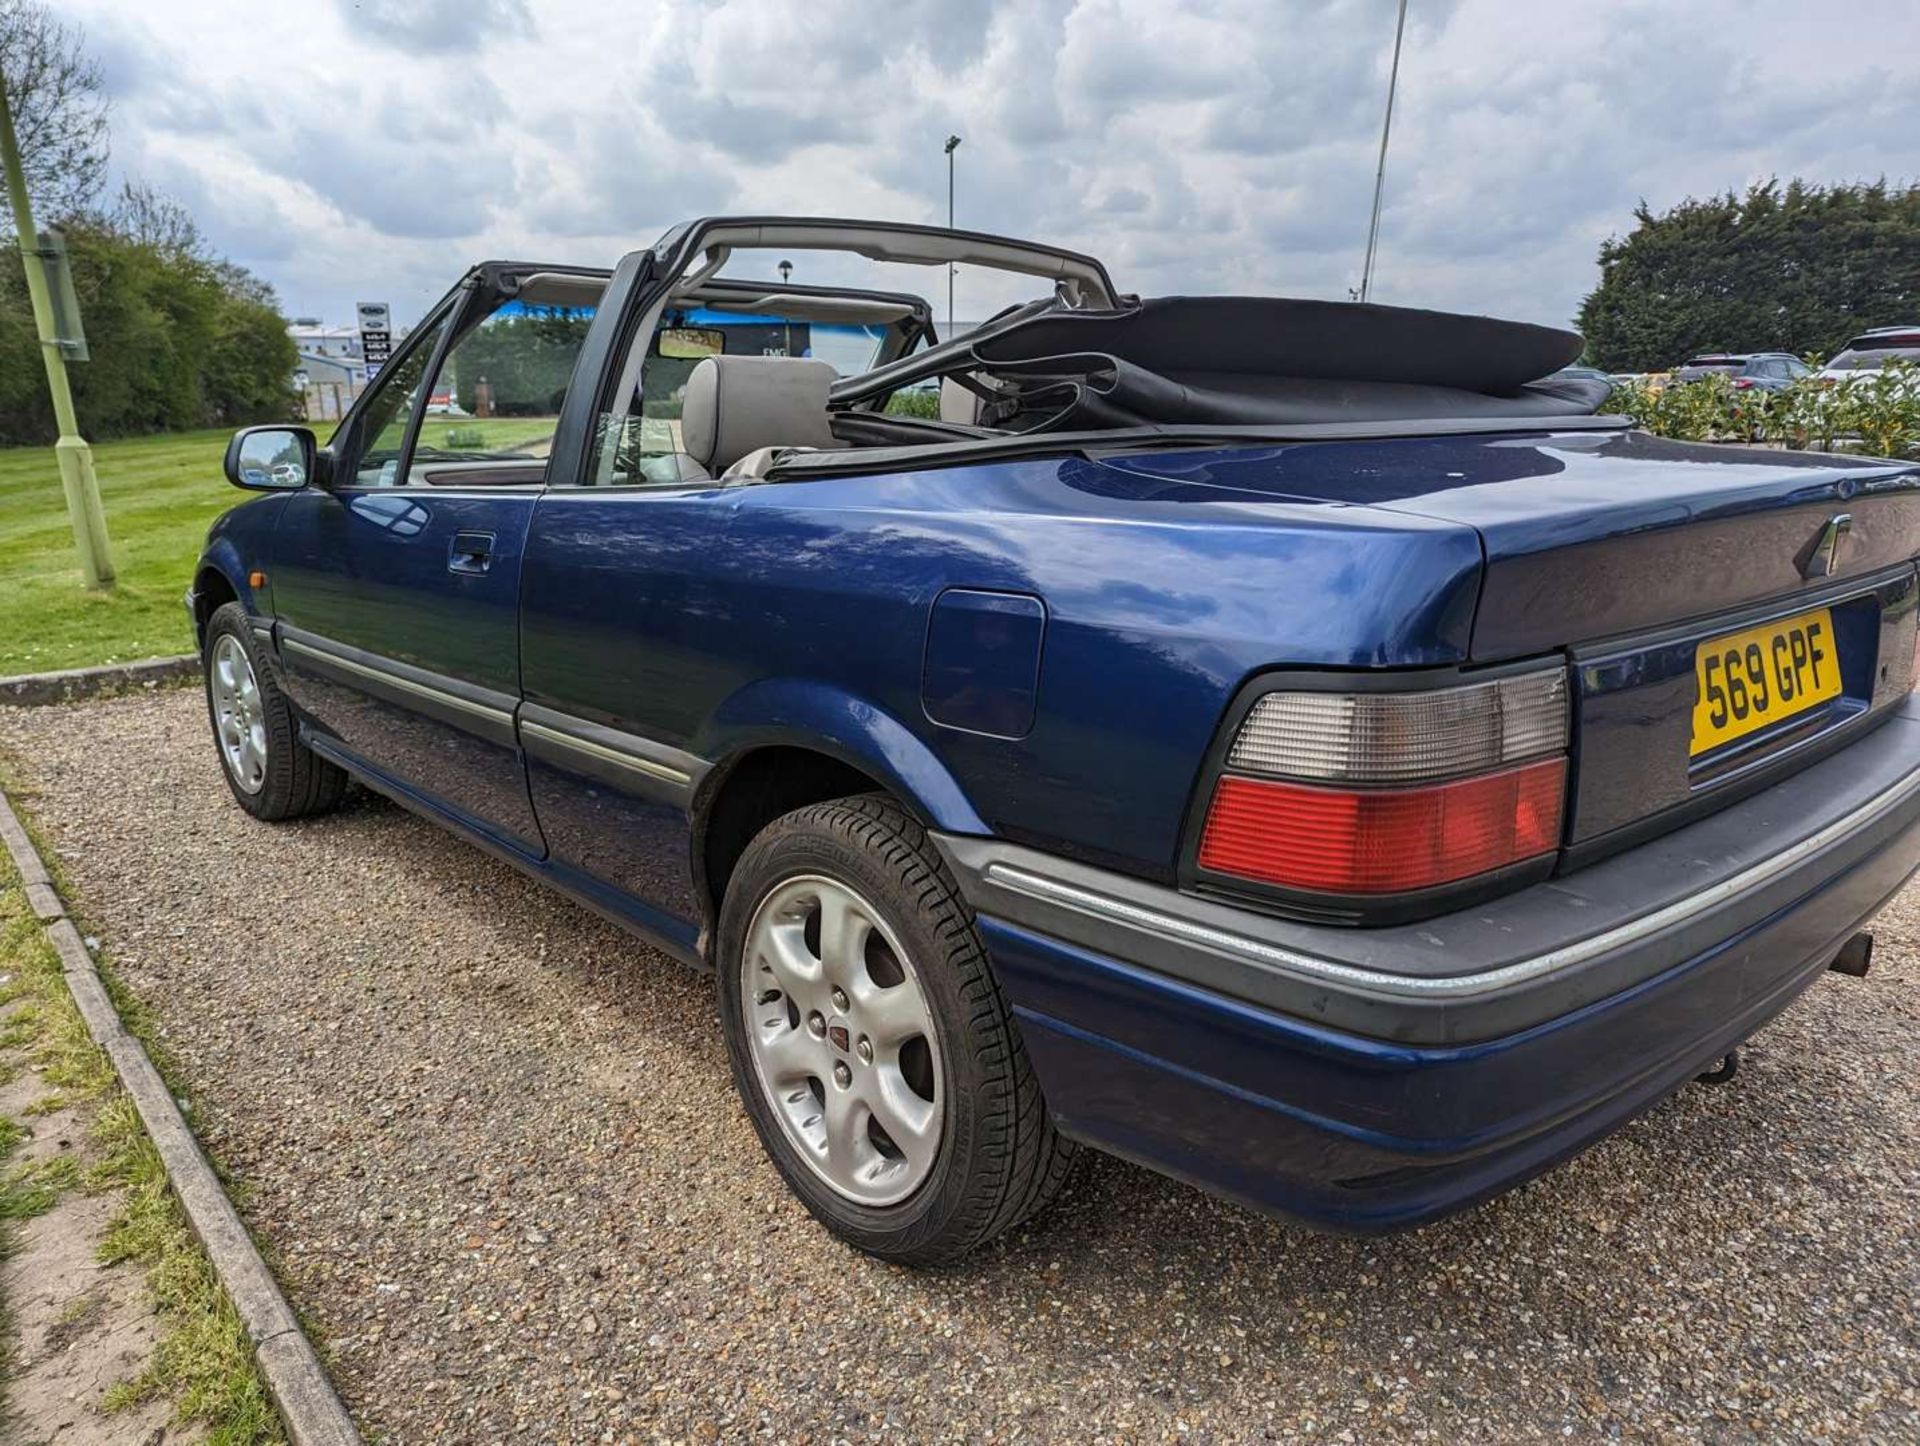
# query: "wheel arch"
752, 791
221, 577
212, 590
784, 745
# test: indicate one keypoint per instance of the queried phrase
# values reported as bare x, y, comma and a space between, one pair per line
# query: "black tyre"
870, 1042
272, 774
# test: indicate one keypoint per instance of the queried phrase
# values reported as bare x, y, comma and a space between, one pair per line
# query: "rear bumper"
1374, 1079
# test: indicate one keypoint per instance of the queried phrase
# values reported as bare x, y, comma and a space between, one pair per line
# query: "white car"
1868, 352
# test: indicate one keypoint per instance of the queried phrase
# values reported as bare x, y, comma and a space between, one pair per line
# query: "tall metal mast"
1380, 171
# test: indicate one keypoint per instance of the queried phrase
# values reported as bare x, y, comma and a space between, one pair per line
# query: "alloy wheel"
239, 719
842, 1040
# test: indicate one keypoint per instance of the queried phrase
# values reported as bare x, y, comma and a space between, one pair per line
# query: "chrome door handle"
470, 552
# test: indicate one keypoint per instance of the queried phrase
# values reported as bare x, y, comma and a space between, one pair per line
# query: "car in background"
1771, 371
1870, 352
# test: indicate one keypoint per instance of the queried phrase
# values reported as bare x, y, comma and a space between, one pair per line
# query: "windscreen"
954, 299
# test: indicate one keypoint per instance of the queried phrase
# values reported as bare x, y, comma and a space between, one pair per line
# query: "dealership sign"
376, 335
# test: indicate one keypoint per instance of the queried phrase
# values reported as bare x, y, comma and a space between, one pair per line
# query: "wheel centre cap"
841, 1040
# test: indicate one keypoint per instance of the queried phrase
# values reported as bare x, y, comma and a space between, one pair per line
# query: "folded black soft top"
1250, 361
1274, 336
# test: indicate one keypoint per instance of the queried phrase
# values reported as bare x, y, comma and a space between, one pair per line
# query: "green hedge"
177, 342
527, 360
915, 402
1878, 413
1781, 267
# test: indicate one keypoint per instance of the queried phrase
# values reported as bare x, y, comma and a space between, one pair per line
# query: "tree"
59, 111
526, 357
179, 338
153, 218
1798, 268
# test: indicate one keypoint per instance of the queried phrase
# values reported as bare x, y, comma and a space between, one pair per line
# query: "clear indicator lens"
1387, 738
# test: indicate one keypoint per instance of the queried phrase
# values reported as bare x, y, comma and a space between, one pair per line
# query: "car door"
618, 612
396, 586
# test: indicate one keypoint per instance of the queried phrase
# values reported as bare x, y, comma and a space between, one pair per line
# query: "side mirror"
271, 459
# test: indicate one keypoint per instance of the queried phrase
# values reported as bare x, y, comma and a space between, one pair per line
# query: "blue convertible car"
1289, 744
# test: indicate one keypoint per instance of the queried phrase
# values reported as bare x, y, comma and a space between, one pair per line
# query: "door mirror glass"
270, 459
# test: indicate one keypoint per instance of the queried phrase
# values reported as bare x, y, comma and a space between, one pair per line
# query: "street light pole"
1380, 171
70, 451
785, 268
953, 144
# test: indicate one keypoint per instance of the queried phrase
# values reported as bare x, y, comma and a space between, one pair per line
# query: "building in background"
313, 338
328, 384
331, 371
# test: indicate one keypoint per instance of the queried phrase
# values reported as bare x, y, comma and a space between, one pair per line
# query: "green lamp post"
82, 488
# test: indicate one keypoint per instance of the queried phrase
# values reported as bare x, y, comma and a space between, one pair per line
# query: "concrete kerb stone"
45, 903
74, 685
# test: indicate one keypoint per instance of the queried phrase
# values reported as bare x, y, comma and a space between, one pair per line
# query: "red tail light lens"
1382, 841
1376, 793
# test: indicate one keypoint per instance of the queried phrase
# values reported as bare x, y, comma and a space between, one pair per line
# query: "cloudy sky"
369, 149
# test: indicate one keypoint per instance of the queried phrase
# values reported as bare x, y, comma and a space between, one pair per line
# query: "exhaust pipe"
1855, 956
1723, 1072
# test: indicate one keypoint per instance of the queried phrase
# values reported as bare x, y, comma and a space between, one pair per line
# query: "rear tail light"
1384, 793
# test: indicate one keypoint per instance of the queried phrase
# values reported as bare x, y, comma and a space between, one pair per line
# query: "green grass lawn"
484, 434
160, 494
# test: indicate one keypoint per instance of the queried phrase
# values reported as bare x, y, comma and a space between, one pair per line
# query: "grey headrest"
738, 404
958, 403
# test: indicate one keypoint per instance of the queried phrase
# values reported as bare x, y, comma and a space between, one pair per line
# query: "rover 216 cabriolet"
1302, 747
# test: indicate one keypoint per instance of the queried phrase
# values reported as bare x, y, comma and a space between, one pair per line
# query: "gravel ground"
493, 1145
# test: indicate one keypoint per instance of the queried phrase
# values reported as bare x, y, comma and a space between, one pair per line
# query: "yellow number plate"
1748, 680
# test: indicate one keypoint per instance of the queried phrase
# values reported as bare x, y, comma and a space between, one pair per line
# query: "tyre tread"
299, 782
1024, 1161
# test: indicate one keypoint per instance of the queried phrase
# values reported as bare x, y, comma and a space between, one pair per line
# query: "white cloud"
375, 149
416, 26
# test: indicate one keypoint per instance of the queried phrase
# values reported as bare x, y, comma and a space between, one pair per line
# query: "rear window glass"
1884, 340
1868, 359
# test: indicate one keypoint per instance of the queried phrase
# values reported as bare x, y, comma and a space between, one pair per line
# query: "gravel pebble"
492, 1144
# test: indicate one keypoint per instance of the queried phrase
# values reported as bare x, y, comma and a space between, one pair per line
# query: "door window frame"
478, 291
345, 447
456, 320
